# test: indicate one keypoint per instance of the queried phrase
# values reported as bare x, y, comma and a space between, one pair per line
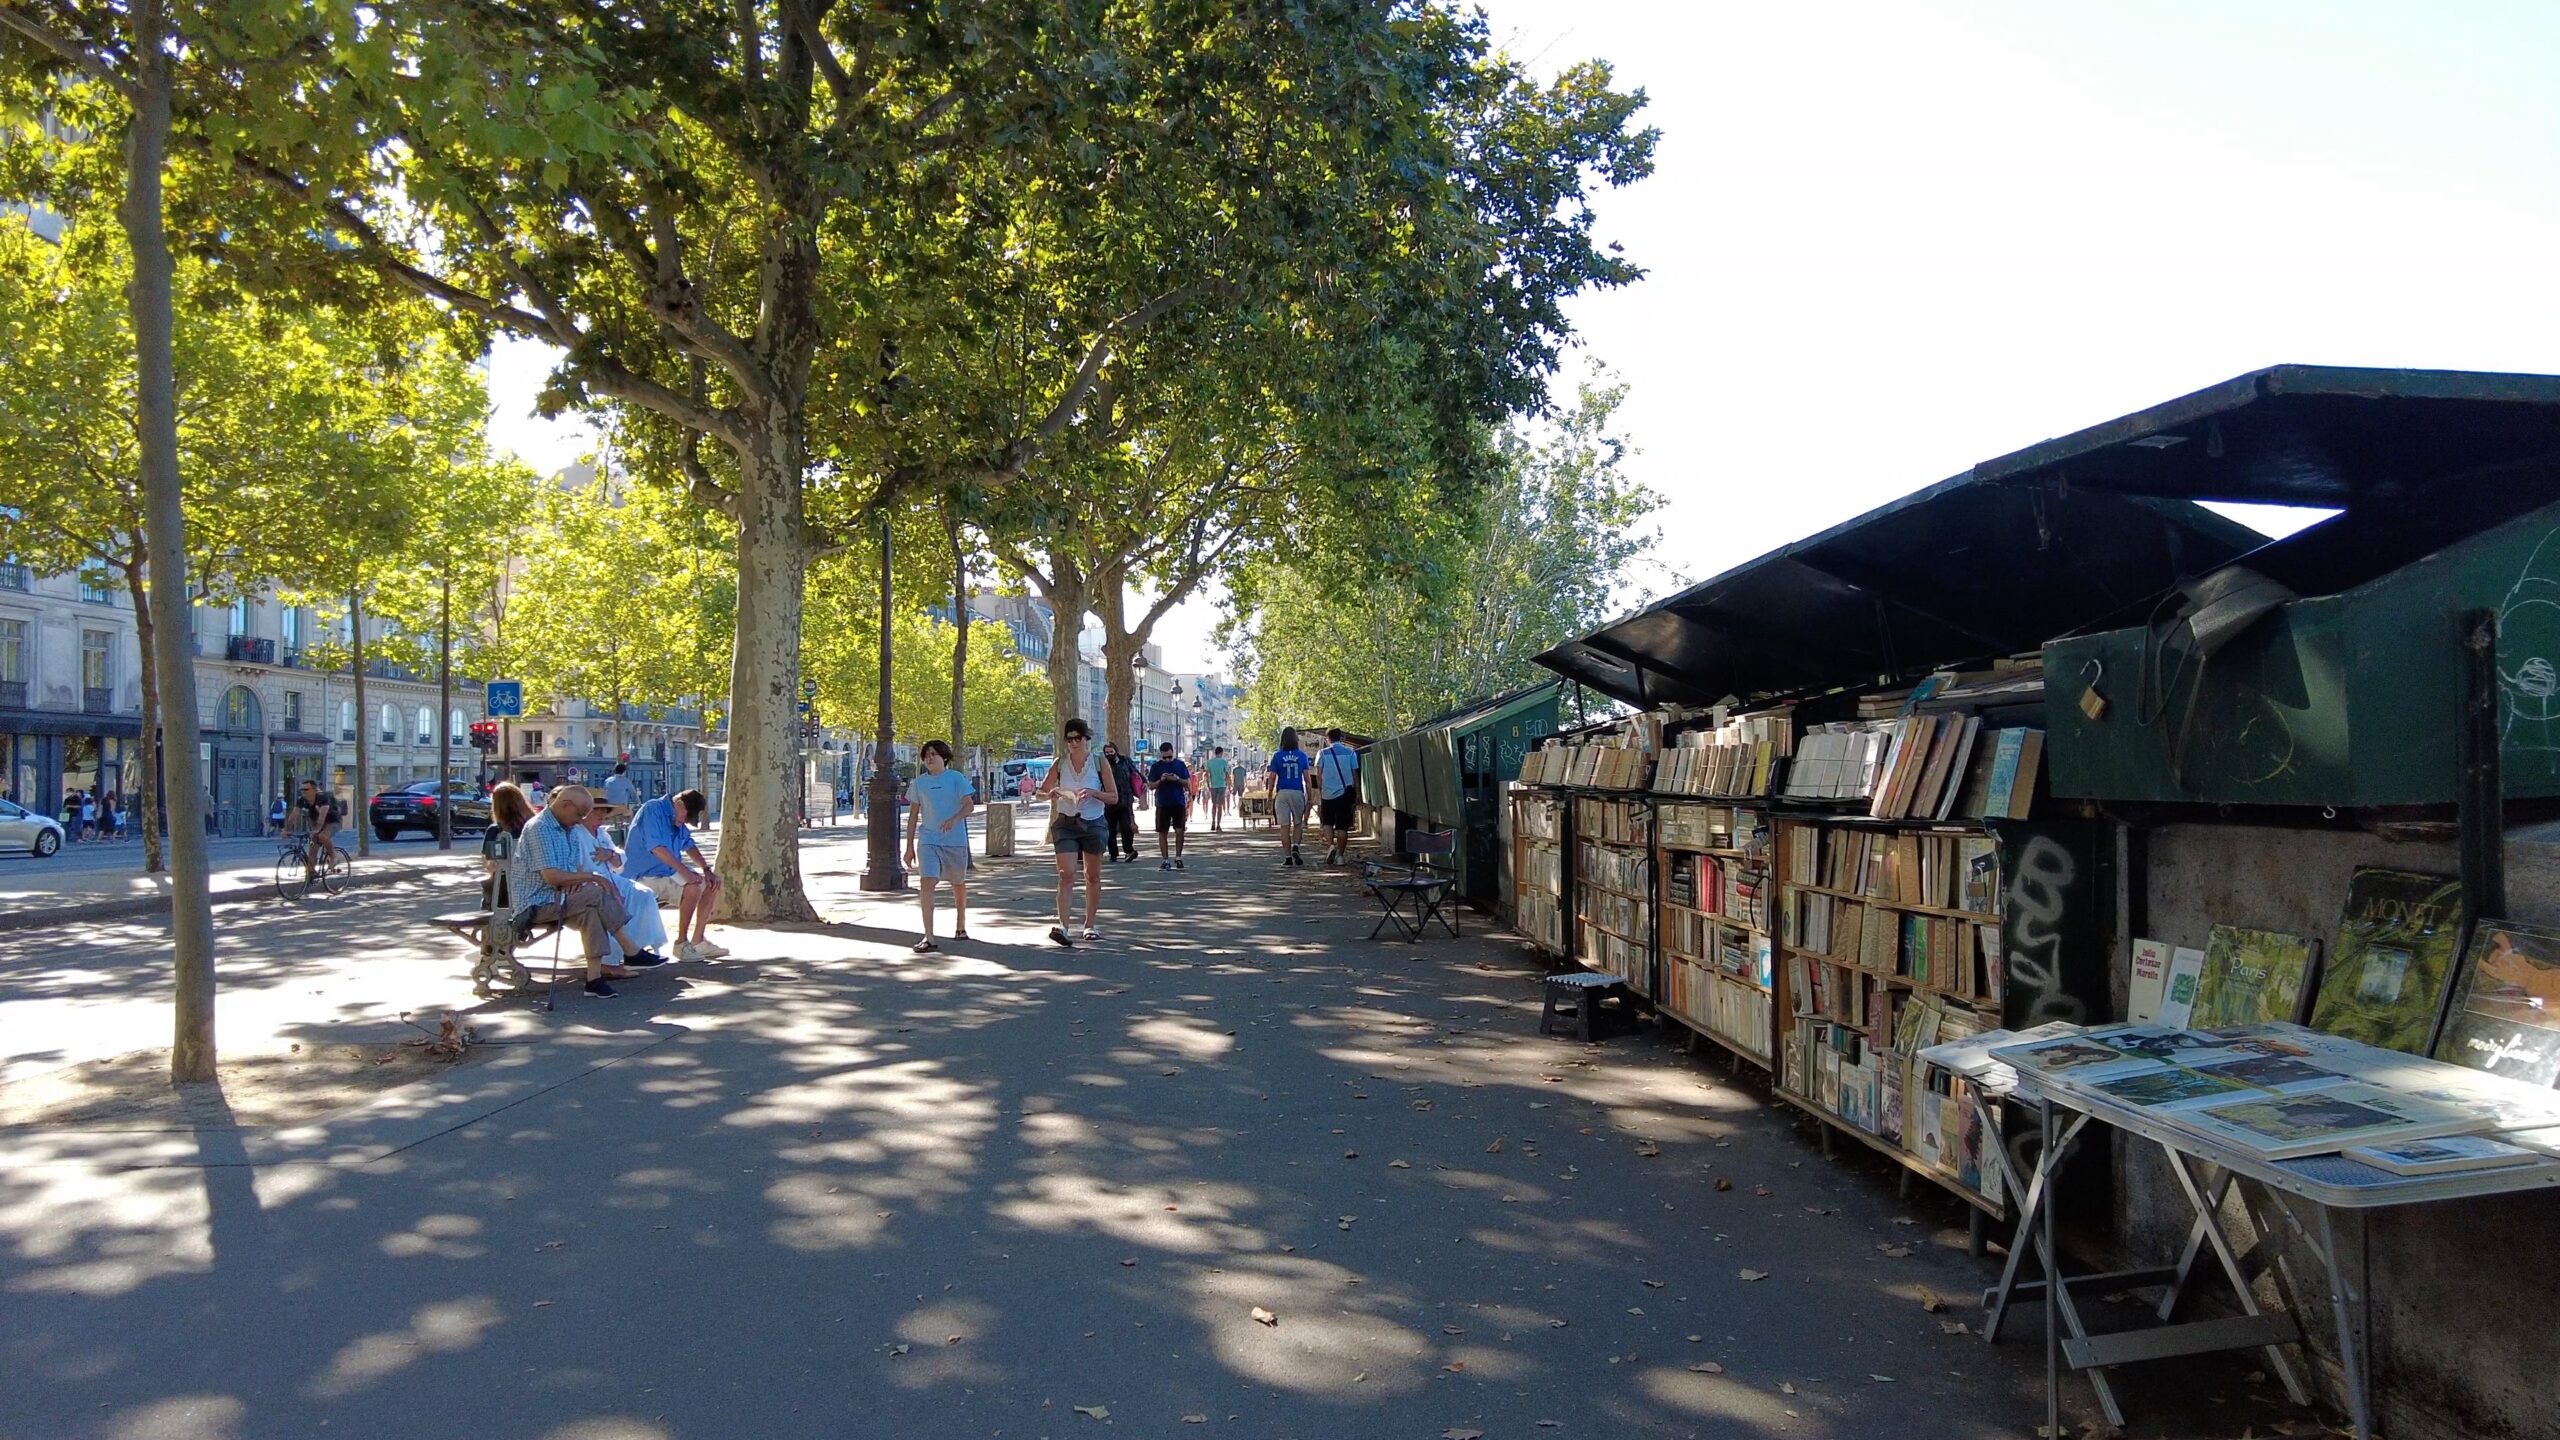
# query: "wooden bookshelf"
1887, 941
1613, 888
1538, 858
1717, 958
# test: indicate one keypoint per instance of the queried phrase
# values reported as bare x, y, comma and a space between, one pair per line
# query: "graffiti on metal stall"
2036, 918
2528, 646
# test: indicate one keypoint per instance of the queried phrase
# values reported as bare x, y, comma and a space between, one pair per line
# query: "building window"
293, 709
426, 726
291, 621
13, 651
529, 742
94, 674
95, 587
240, 710
346, 719
240, 617
456, 724
390, 725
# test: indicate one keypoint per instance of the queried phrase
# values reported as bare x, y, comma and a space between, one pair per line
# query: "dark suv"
413, 807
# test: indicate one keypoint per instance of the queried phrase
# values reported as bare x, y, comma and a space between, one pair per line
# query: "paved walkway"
835, 1189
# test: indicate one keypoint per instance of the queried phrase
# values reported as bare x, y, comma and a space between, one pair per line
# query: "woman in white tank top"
1078, 787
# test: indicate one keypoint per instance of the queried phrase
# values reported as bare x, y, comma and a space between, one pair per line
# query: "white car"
40, 834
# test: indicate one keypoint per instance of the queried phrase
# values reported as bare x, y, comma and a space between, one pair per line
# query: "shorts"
1218, 793
943, 862
669, 889
1069, 834
1339, 812
1172, 817
1289, 806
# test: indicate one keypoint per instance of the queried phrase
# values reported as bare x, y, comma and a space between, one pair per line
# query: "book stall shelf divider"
1539, 865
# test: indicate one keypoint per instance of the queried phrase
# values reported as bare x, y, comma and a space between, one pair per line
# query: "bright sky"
1889, 240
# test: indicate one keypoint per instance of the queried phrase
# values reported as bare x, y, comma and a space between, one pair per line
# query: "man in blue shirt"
661, 855
548, 883
1338, 771
1289, 766
1171, 778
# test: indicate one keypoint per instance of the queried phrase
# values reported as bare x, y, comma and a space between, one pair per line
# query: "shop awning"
2415, 459
1958, 572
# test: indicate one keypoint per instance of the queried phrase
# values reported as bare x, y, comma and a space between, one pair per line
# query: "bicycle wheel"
333, 875
289, 875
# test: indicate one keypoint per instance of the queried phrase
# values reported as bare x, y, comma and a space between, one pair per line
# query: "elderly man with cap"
550, 883
647, 925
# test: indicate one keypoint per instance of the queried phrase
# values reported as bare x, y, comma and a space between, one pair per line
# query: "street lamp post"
1138, 663
884, 872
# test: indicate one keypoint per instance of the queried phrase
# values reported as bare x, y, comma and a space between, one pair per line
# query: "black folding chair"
1413, 896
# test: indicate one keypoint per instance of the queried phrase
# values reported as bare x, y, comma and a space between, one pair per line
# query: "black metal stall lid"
1957, 573
2414, 459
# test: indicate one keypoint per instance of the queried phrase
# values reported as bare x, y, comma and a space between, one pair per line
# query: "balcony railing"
13, 694
96, 701
14, 576
254, 649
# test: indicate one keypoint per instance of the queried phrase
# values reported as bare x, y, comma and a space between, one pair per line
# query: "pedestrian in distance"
619, 792
940, 801
74, 818
1288, 771
1171, 777
1080, 792
1338, 775
1122, 816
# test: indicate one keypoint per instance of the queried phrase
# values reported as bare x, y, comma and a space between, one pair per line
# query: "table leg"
2218, 1192
2209, 1221
2023, 1239
2054, 1285
2348, 1303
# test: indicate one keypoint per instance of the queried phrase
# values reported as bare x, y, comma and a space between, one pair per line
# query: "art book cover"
2506, 1014
2284, 1074
2449, 1156
2168, 1088
2148, 985
2280, 1127
2384, 976
2178, 990
2067, 1053
2251, 975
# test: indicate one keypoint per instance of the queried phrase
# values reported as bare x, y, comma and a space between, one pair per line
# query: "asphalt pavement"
1234, 1170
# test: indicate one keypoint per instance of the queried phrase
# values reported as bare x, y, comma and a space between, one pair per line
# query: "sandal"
924, 946
1058, 936
959, 934
1092, 934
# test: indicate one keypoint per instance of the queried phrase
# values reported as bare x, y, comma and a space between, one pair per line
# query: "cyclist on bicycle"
321, 818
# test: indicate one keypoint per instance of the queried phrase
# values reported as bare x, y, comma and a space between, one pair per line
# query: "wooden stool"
1583, 991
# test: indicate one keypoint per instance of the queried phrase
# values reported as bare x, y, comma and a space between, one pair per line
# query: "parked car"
40, 834
413, 807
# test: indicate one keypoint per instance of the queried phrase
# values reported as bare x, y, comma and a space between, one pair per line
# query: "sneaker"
1164, 865
690, 952
711, 949
1058, 936
603, 990
924, 946
1177, 862
1092, 934
643, 958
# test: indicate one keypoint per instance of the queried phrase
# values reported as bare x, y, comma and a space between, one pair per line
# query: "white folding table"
2312, 1195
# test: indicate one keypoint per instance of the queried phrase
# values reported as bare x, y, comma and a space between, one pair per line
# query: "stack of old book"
1942, 767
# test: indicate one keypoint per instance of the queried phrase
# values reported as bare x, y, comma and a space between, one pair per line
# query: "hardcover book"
2384, 978
2283, 1126
2449, 1156
2506, 1013
2178, 991
2149, 984
2251, 976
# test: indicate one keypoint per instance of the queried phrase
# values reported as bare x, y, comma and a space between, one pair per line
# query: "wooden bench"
491, 932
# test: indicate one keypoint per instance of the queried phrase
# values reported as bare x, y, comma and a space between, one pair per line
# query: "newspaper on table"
1970, 1057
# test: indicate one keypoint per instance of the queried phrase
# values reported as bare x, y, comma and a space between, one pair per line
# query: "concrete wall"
2462, 1326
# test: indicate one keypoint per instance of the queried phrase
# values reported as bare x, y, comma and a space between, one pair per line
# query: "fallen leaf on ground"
1755, 1274
1929, 1300
1453, 1330
1723, 1184
1558, 1324
1264, 1317
1454, 1433
1817, 1209
1635, 1309
1421, 1104
1954, 1327
1288, 1249
1195, 1419
1786, 1387
1130, 1261
1398, 1165
1904, 1220
897, 1349
1760, 1190
1898, 1252
1094, 1412
1550, 1424
1363, 1375
1653, 1284
951, 1339
1455, 1367
1648, 1150
1350, 1154
1880, 1379
1495, 1148
1708, 1367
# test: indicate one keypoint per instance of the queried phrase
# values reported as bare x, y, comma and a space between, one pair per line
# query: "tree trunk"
1119, 652
357, 817
759, 859
191, 1050
960, 640
444, 715
146, 640
1067, 597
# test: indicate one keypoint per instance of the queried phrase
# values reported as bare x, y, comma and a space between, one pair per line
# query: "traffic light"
484, 734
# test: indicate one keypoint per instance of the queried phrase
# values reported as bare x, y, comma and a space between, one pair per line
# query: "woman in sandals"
939, 804
1080, 791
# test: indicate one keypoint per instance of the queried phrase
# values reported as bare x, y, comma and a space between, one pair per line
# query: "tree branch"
71, 52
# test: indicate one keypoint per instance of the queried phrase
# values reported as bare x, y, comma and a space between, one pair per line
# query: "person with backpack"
1338, 774
1121, 815
1172, 779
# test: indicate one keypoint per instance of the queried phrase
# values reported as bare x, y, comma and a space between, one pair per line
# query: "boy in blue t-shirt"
939, 817
1172, 781
1289, 766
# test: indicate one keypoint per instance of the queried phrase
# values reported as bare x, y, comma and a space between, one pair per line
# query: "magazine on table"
2318, 1122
